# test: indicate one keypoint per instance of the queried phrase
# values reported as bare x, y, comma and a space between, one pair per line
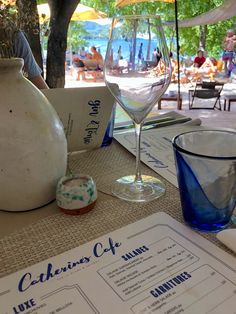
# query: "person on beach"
199, 59
140, 53
228, 46
98, 57
21, 49
119, 54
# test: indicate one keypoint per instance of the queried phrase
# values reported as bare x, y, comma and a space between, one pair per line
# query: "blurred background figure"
97, 56
140, 53
111, 56
89, 56
20, 48
159, 55
228, 54
154, 55
82, 53
13, 43
119, 53
199, 59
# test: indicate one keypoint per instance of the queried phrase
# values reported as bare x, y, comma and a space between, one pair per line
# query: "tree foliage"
76, 36
190, 37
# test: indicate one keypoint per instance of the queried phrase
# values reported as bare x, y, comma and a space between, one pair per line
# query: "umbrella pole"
178, 48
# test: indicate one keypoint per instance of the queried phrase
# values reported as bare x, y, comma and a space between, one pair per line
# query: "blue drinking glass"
206, 172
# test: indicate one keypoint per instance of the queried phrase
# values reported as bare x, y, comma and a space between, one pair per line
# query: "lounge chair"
201, 96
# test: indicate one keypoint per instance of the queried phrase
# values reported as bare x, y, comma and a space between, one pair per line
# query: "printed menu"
156, 148
155, 265
84, 113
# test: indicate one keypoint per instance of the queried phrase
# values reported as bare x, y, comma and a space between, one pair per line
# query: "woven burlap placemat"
58, 233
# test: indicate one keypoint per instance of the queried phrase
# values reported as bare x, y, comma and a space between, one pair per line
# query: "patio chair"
206, 95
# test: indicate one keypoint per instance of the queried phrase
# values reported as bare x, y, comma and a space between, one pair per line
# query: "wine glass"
137, 81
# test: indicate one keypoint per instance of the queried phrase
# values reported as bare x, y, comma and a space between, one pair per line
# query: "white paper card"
84, 112
156, 148
155, 265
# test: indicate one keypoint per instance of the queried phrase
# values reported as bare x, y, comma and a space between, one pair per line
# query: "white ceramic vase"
33, 147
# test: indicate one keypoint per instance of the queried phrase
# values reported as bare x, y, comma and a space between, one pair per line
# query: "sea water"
101, 45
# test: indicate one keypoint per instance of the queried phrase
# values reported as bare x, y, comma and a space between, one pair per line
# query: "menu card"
155, 265
84, 112
156, 148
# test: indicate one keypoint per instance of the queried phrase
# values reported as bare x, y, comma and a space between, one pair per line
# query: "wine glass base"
149, 189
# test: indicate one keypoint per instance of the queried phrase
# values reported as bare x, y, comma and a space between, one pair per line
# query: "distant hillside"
96, 30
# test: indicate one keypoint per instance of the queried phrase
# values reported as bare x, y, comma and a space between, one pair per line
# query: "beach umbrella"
122, 3
85, 13
8, 2
81, 13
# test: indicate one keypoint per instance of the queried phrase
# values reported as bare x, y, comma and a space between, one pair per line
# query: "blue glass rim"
187, 152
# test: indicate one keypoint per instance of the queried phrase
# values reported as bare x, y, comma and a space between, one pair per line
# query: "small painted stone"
76, 194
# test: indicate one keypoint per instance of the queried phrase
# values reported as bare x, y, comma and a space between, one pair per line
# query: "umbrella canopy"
122, 3
10, 2
84, 13
81, 13
220, 13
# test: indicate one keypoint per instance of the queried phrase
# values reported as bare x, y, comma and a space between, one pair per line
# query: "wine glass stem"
138, 176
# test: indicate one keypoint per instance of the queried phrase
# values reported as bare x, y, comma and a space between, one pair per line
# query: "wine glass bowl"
137, 81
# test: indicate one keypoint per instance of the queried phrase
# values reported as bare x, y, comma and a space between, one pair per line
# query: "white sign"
155, 265
84, 112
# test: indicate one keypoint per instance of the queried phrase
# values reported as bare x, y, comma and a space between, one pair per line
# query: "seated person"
80, 66
160, 68
88, 65
77, 62
22, 50
209, 68
98, 57
199, 59
17, 46
122, 65
82, 53
188, 62
89, 56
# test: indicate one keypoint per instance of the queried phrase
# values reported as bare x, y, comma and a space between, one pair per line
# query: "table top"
213, 118
230, 97
29, 237
170, 97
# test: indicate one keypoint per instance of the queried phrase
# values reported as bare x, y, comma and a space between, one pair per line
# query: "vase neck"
11, 65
